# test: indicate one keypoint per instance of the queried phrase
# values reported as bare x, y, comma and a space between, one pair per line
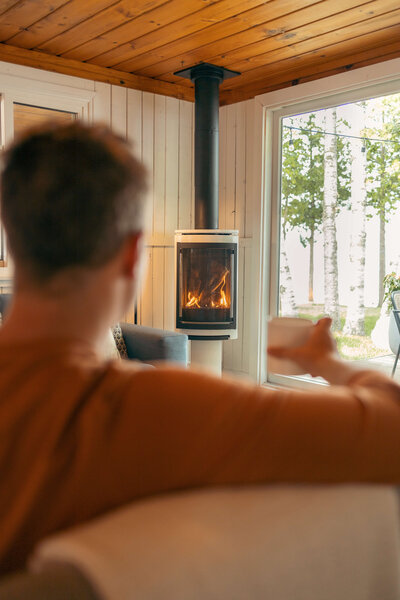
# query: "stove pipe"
207, 79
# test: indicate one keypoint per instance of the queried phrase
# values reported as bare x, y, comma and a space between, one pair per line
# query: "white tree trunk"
331, 291
354, 324
288, 306
382, 255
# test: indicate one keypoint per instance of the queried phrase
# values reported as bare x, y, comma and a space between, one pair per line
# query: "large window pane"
340, 223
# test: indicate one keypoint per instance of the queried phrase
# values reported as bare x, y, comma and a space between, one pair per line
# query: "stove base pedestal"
207, 355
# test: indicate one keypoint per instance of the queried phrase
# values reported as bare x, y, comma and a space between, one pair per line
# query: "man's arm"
174, 429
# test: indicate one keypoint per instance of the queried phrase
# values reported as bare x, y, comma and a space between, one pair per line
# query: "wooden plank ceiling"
140, 43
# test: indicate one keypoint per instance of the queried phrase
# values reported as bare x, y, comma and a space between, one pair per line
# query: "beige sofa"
276, 542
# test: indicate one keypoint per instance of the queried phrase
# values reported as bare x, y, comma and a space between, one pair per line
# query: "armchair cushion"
148, 344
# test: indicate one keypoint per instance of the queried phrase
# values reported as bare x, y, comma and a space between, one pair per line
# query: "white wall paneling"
118, 101
159, 165
134, 121
186, 168
171, 192
236, 143
167, 142
101, 111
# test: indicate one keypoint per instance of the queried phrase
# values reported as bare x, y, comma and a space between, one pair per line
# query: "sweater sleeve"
172, 429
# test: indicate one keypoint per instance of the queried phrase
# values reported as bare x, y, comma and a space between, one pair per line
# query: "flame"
193, 301
221, 302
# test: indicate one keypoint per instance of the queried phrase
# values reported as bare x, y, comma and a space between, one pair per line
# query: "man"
80, 436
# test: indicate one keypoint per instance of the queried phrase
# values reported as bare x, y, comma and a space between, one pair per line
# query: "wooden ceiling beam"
66, 66
313, 71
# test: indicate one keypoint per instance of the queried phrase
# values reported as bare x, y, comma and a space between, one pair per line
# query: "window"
337, 220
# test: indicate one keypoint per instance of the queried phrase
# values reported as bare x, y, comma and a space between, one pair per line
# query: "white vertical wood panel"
227, 194
186, 182
237, 345
148, 147
222, 165
230, 168
159, 165
118, 110
240, 169
247, 307
134, 121
249, 209
158, 287
146, 297
171, 166
169, 289
102, 103
129, 316
7, 120
236, 169
193, 198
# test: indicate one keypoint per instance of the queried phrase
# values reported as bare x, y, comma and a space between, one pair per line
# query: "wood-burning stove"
206, 283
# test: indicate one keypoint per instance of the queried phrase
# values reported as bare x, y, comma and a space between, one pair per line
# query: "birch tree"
290, 187
383, 168
330, 204
354, 324
304, 207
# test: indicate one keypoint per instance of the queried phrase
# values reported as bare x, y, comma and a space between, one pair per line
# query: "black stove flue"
207, 79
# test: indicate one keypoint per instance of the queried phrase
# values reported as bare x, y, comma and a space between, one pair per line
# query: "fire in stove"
208, 296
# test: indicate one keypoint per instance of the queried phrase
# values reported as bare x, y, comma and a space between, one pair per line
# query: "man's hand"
318, 356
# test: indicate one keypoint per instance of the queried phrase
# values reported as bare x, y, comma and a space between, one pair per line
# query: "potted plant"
391, 283
385, 334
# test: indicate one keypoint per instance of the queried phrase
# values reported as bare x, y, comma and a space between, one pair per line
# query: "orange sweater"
80, 436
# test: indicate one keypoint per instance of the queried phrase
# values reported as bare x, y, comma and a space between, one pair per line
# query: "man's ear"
132, 254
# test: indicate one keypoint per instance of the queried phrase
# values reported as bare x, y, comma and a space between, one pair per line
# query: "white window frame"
269, 109
35, 87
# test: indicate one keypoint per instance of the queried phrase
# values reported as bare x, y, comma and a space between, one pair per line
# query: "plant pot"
394, 336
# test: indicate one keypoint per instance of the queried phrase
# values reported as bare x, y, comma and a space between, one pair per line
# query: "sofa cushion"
278, 542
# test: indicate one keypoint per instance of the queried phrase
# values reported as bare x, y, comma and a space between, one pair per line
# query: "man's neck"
34, 316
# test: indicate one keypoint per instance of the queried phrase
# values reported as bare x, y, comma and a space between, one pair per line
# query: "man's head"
70, 197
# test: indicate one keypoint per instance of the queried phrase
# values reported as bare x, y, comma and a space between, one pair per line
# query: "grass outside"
351, 347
